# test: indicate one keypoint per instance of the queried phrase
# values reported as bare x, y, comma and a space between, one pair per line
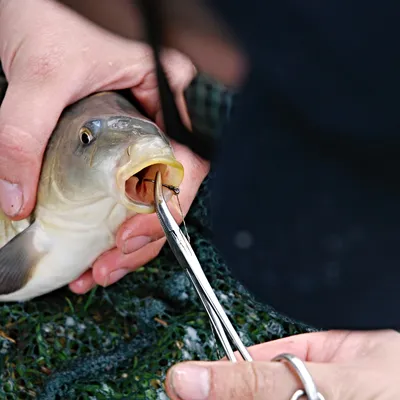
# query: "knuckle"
253, 382
262, 380
173, 58
245, 381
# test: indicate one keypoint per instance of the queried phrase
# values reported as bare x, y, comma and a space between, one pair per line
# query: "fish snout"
148, 147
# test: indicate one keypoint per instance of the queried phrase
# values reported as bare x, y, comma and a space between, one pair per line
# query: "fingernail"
126, 234
80, 284
116, 276
190, 382
135, 243
11, 198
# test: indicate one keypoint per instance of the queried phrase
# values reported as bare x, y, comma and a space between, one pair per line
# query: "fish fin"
18, 259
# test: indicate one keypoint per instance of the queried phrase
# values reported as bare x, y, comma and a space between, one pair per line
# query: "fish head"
105, 147
92, 177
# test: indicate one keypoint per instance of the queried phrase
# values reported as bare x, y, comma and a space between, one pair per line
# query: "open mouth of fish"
137, 183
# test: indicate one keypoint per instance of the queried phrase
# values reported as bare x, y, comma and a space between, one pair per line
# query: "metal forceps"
187, 259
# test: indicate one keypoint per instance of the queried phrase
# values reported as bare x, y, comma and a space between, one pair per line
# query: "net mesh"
118, 342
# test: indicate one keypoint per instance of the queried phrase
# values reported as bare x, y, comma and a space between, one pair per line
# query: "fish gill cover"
118, 343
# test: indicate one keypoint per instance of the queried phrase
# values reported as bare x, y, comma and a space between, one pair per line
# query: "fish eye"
85, 136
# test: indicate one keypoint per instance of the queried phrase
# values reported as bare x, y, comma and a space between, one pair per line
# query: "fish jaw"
135, 186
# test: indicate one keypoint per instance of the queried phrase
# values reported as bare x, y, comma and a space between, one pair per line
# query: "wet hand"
344, 365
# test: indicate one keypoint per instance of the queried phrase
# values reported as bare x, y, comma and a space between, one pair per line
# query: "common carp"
96, 173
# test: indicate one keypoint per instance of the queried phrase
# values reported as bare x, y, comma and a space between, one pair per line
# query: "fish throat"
139, 187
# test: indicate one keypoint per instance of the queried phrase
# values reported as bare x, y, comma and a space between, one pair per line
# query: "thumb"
27, 119
252, 380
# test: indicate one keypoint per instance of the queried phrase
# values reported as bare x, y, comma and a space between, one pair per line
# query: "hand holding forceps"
188, 260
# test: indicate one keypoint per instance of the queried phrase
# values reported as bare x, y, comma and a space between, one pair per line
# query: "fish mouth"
137, 183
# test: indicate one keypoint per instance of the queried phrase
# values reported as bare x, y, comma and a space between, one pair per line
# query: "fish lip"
131, 169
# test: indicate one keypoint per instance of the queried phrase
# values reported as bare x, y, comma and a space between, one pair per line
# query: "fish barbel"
93, 178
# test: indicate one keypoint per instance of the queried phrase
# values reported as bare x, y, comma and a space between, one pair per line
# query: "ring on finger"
298, 367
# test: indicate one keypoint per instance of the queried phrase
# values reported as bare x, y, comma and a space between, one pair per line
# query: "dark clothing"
306, 201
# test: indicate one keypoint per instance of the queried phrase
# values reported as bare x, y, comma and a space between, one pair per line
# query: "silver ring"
297, 366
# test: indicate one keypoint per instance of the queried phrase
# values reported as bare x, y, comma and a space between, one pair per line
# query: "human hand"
52, 57
344, 365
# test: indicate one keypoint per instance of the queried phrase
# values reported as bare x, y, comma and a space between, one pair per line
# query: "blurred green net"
117, 343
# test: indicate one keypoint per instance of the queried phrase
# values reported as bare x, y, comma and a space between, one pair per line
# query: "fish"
98, 171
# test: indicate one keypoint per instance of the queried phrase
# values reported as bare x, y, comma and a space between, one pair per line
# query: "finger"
315, 347
255, 380
83, 284
174, 61
179, 71
28, 116
113, 265
142, 229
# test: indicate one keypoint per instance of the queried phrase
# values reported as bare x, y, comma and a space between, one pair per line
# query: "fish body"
91, 181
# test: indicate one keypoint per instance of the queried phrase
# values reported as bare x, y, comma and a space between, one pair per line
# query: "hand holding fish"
343, 364
52, 60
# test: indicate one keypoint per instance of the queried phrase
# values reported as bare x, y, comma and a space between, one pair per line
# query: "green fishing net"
118, 342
